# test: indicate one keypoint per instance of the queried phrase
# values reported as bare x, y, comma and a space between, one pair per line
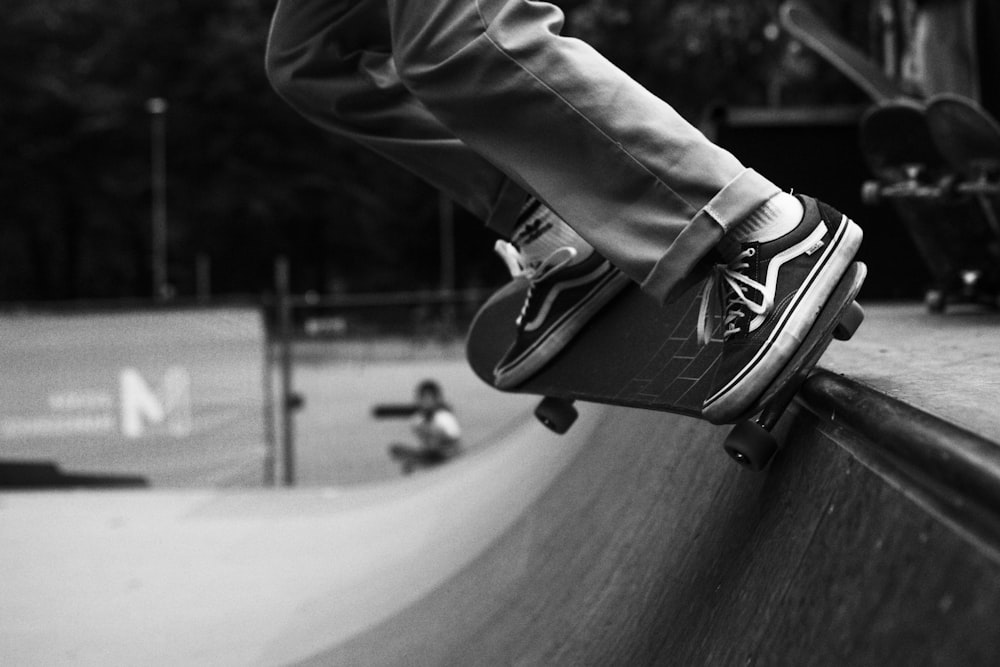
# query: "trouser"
486, 101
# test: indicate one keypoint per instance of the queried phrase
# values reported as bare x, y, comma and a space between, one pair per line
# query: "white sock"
539, 232
773, 219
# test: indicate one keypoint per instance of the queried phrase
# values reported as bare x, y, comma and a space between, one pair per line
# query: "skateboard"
908, 170
806, 26
969, 139
950, 233
636, 353
413, 458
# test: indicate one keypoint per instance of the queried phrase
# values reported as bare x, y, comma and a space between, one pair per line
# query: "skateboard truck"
983, 186
914, 186
751, 443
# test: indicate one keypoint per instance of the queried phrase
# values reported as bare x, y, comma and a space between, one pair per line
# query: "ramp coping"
951, 471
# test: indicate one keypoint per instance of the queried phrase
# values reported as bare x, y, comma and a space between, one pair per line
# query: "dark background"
248, 179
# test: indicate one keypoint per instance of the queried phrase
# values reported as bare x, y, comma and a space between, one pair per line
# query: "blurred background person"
436, 428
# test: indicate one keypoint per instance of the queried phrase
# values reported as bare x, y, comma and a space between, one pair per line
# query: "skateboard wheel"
852, 318
751, 445
871, 192
935, 301
557, 414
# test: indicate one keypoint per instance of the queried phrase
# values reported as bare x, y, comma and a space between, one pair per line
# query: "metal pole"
157, 108
288, 401
889, 25
270, 416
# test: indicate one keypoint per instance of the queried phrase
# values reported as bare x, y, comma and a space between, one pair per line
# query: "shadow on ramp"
41, 475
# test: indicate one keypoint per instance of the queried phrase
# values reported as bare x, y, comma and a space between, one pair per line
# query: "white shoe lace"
728, 280
534, 272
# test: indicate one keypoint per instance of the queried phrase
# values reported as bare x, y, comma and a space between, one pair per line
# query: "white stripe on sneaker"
550, 298
779, 260
779, 328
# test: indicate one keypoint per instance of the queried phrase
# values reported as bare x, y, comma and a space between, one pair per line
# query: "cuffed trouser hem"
506, 208
741, 197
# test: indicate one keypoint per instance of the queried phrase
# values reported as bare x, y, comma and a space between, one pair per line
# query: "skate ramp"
873, 539
652, 548
251, 577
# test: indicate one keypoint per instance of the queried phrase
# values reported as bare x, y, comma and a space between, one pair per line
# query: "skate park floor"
948, 364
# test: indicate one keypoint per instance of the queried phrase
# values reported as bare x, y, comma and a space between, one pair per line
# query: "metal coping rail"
951, 471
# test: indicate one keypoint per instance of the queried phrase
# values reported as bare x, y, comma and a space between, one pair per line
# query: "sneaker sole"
732, 401
537, 357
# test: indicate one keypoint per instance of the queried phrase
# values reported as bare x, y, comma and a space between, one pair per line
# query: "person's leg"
636, 180
332, 61
613, 160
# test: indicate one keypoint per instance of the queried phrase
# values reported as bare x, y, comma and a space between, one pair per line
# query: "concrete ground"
339, 443
948, 365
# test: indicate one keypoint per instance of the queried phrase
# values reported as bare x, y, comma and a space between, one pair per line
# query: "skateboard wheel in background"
935, 301
852, 318
751, 445
871, 193
557, 414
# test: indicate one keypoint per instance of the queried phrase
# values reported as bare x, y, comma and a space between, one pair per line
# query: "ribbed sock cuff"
540, 232
773, 219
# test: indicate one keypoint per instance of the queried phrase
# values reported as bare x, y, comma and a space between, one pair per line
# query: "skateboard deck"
969, 139
910, 171
806, 26
634, 353
638, 354
951, 234
967, 136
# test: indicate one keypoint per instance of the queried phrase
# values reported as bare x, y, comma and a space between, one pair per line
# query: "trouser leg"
332, 61
647, 189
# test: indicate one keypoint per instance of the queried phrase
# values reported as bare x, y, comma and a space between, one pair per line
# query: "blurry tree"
249, 179
700, 53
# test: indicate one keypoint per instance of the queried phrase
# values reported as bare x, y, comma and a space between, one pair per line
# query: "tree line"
247, 178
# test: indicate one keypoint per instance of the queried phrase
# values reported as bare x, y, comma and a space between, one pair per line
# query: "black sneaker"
561, 298
772, 294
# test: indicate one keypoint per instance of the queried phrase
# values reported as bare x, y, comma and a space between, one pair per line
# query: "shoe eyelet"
751, 252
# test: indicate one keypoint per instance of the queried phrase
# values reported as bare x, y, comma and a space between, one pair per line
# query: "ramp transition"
872, 540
